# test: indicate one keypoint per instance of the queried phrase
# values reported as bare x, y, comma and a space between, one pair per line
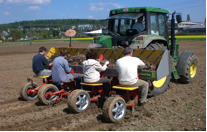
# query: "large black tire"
23, 93
161, 85
114, 109
191, 70
44, 90
78, 101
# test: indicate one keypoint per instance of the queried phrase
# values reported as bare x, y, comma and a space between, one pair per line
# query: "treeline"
61, 23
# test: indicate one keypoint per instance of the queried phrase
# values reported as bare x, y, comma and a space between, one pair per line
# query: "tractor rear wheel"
114, 109
160, 86
45, 93
191, 70
78, 101
26, 93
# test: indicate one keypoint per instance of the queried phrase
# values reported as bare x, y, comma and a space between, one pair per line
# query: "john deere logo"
125, 9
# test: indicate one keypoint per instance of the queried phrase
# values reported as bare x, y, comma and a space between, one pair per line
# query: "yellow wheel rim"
193, 69
160, 82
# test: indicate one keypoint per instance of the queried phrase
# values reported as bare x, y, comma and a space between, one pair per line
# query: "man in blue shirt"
138, 26
61, 70
39, 62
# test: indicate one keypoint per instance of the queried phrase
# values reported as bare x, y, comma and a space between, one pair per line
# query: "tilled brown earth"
181, 107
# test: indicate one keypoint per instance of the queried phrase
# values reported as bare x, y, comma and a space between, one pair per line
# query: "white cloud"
96, 6
28, 1
33, 8
63, 15
91, 17
6, 13
1, 1
75, 6
48, 13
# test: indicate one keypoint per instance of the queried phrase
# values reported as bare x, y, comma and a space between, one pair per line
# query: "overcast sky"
20, 10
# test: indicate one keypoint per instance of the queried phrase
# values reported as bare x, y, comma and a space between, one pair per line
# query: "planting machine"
152, 45
47, 93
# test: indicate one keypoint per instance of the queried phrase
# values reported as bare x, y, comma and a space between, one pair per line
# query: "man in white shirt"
138, 26
127, 68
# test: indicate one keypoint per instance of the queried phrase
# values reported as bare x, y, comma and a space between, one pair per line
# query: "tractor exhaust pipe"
172, 48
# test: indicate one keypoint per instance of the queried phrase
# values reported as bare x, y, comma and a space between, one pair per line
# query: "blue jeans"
77, 78
44, 73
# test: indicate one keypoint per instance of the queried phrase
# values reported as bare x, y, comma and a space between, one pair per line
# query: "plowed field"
181, 107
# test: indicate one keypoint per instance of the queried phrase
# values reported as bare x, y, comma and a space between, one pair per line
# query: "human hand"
107, 62
70, 60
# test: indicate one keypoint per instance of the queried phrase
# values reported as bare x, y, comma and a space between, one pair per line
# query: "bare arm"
50, 64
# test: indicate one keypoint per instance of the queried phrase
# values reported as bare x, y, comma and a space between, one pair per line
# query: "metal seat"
43, 76
92, 84
125, 87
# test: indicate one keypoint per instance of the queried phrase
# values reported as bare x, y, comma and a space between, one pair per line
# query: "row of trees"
17, 34
38, 34
61, 23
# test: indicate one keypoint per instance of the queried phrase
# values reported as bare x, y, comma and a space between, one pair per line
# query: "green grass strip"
191, 37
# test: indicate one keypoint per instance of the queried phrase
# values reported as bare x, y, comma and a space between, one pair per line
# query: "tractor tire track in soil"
181, 107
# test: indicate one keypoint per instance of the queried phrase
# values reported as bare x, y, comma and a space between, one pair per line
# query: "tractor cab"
122, 24
123, 32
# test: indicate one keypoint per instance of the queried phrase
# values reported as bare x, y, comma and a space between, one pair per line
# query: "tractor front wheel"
78, 101
26, 91
45, 94
114, 109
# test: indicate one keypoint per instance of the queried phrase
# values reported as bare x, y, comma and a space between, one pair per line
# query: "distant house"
47, 28
85, 26
4, 34
192, 27
73, 27
188, 27
33, 29
57, 28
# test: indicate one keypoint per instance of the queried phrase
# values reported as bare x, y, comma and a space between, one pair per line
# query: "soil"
181, 107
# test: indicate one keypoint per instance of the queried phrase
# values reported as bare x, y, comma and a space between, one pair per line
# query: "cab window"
116, 23
154, 24
162, 24
124, 25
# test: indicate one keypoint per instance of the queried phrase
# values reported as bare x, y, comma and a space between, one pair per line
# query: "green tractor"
121, 33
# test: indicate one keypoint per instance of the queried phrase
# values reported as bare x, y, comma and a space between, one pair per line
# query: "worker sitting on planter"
39, 62
127, 67
91, 70
61, 71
